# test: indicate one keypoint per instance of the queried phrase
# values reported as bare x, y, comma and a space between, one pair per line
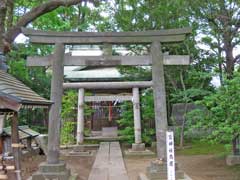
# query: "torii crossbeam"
162, 36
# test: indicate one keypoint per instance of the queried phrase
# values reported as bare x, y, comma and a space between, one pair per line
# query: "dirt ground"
78, 165
198, 167
29, 165
136, 165
207, 167
201, 167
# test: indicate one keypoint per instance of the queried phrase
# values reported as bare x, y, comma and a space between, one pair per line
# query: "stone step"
96, 133
144, 177
45, 168
74, 177
59, 176
158, 167
163, 175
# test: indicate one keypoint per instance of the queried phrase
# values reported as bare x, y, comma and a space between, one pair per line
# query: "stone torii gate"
59, 59
138, 145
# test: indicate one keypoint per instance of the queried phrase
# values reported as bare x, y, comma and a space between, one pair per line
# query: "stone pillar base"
52, 171
139, 150
138, 147
80, 150
233, 160
158, 171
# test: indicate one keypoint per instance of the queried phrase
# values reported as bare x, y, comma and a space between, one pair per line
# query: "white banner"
170, 155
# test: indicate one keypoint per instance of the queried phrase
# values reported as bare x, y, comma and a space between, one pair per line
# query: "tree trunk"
235, 149
10, 13
46, 117
3, 11
225, 19
220, 62
181, 144
220, 73
34, 13
184, 113
229, 60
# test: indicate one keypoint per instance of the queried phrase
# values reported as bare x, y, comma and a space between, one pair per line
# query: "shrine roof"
80, 74
23, 131
14, 91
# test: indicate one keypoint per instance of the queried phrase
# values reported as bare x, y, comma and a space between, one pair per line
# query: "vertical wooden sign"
170, 155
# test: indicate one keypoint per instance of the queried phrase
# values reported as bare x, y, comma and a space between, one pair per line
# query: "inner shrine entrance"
134, 97
156, 58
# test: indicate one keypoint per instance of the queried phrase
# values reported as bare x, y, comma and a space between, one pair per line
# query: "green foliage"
204, 148
40, 129
79, 17
69, 115
218, 25
69, 105
38, 79
205, 17
135, 73
126, 122
138, 15
189, 95
222, 113
67, 133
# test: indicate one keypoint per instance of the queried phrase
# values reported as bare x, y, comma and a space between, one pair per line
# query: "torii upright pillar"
138, 145
159, 99
80, 118
53, 168
55, 111
158, 168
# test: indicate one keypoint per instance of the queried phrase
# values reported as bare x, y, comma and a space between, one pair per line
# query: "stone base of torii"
158, 171
52, 171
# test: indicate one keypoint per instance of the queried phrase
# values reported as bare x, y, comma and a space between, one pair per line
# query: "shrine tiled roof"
15, 90
93, 74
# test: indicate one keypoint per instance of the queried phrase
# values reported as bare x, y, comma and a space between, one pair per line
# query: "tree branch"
35, 13
237, 58
3, 11
10, 9
174, 84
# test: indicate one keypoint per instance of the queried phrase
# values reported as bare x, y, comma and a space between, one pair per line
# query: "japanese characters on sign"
170, 155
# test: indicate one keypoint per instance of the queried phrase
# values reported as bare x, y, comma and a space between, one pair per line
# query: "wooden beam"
108, 60
16, 150
108, 85
8, 103
107, 98
44, 37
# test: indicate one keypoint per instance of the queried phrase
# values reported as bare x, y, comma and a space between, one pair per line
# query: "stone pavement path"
109, 164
